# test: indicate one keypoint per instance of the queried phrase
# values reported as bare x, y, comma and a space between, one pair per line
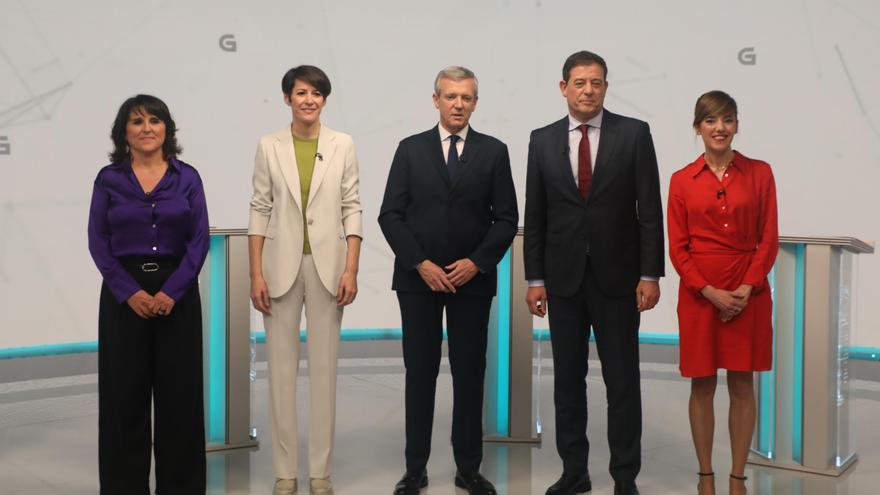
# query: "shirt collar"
700, 164
444, 134
596, 121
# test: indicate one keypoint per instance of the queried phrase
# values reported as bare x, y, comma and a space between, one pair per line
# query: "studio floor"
48, 439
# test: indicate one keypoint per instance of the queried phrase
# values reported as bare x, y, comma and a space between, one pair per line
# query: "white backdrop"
809, 104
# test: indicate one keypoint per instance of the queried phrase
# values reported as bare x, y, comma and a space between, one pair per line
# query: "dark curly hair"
151, 106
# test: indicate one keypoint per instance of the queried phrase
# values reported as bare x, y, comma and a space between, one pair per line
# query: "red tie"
585, 167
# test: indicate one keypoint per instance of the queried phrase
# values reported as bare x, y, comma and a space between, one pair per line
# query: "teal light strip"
797, 420
864, 353
216, 365
645, 338
767, 380
367, 334
657, 338
48, 350
503, 393
351, 335
541, 334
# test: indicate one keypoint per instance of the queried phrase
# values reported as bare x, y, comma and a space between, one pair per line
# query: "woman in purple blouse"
148, 235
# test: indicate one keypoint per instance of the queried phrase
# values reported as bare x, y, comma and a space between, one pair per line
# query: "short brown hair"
716, 103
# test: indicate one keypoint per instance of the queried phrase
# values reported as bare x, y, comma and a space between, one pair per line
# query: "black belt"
149, 264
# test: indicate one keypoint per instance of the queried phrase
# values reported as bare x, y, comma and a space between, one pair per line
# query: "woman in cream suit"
304, 239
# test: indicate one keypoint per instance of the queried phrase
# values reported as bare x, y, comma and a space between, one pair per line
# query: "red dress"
723, 233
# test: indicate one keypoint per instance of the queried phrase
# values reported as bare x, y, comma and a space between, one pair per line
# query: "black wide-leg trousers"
615, 322
143, 360
467, 322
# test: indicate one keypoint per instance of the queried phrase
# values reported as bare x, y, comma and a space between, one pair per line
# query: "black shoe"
411, 484
570, 484
475, 484
625, 488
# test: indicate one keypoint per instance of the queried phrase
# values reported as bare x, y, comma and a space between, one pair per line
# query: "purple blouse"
170, 221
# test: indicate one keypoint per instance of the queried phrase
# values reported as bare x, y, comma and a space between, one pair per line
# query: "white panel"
810, 106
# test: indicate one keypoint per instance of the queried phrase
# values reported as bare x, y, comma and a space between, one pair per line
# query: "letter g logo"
747, 56
227, 43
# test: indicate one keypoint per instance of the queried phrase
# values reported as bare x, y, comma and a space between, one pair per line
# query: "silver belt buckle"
150, 267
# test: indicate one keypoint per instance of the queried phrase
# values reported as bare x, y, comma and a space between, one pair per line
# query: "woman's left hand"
726, 316
163, 304
348, 288
742, 293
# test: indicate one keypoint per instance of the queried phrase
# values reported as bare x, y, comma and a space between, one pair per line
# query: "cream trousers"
323, 320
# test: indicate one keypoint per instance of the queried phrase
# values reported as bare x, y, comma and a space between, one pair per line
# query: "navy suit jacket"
425, 215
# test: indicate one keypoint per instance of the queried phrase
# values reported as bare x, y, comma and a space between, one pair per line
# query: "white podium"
803, 402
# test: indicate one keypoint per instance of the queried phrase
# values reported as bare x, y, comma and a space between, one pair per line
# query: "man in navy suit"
593, 250
449, 214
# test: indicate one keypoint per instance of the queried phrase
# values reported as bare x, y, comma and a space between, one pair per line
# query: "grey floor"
48, 439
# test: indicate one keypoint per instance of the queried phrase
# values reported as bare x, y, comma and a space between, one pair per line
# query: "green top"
305, 151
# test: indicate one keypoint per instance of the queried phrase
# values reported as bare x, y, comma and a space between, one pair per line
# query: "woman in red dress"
723, 241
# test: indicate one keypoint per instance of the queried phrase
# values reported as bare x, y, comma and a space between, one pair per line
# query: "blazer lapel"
607, 138
469, 153
326, 150
560, 145
435, 150
287, 163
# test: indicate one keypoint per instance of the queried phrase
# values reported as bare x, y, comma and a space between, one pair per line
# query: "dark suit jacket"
424, 215
621, 222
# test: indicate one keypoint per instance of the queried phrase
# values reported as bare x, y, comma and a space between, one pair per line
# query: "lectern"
510, 413
804, 402
227, 345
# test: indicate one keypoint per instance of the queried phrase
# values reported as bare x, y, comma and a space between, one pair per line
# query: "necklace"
719, 170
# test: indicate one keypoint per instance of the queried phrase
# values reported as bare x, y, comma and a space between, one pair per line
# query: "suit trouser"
138, 360
467, 321
323, 320
615, 322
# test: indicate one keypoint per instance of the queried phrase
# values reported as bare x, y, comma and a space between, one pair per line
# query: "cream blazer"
334, 208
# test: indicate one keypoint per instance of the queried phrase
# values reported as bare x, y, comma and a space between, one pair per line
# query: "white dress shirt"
444, 141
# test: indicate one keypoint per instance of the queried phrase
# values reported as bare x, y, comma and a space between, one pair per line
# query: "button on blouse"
169, 221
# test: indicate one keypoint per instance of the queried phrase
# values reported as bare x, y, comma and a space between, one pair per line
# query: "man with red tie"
593, 258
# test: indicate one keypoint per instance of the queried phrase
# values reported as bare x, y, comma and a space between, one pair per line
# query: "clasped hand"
730, 303
147, 306
454, 275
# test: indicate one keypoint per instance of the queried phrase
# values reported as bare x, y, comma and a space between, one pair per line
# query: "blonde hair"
455, 73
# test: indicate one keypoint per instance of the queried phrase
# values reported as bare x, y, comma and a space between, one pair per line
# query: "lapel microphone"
319, 157
719, 194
